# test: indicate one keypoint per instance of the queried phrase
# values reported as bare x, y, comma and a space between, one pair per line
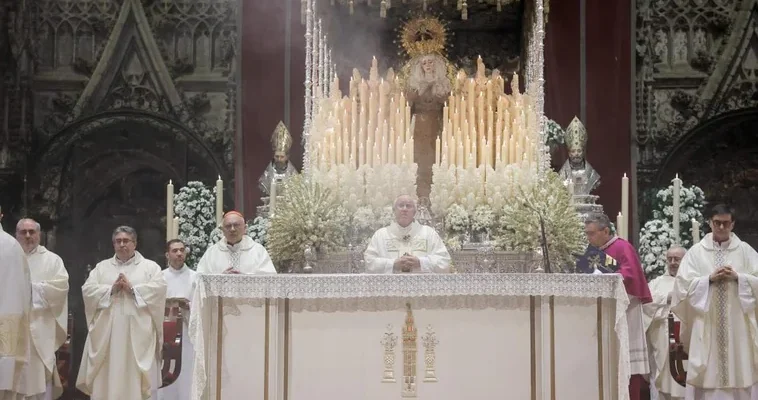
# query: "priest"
598, 231
657, 313
15, 309
49, 316
236, 252
124, 303
715, 297
181, 285
405, 245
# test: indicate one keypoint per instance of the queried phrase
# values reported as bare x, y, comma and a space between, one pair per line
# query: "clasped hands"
121, 284
725, 273
407, 263
231, 270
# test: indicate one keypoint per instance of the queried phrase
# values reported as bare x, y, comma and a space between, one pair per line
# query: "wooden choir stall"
435, 336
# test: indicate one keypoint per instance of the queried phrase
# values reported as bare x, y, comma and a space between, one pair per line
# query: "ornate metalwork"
430, 344
389, 342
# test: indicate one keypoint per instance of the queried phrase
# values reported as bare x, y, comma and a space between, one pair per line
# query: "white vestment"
15, 309
657, 313
49, 320
181, 285
720, 320
392, 242
120, 360
246, 257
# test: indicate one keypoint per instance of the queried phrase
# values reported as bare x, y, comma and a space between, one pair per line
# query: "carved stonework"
697, 60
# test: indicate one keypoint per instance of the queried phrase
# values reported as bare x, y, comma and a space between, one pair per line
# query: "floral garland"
309, 216
657, 235
195, 205
520, 221
554, 134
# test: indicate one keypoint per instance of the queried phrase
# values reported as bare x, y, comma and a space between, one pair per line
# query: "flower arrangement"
195, 205
457, 220
546, 199
657, 235
309, 216
483, 219
554, 134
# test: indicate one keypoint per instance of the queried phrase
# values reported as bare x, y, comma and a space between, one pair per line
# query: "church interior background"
104, 101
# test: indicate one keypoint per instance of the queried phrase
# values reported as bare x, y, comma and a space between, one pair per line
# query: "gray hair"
36, 224
394, 203
600, 219
125, 229
677, 247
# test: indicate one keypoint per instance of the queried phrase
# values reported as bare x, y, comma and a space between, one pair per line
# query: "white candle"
695, 231
437, 150
571, 189
619, 223
169, 210
625, 204
272, 199
175, 226
219, 201
677, 190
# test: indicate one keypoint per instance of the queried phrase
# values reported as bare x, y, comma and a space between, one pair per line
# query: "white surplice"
720, 319
15, 309
49, 320
181, 285
392, 242
125, 331
247, 257
657, 313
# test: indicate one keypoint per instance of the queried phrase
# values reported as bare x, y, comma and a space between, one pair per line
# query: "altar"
451, 336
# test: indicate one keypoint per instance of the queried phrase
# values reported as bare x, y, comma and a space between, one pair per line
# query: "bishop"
236, 252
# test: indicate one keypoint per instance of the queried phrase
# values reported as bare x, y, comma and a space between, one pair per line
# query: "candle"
219, 201
175, 225
619, 223
677, 190
272, 199
169, 209
695, 231
571, 188
625, 204
437, 150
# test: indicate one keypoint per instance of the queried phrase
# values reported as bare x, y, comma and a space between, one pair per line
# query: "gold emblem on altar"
410, 355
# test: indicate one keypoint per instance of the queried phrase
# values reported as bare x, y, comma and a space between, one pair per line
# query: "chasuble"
15, 308
719, 327
246, 257
125, 331
49, 321
392, 242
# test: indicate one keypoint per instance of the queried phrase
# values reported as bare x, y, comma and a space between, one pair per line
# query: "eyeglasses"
405, 206
721, 224
122, 241
235, 226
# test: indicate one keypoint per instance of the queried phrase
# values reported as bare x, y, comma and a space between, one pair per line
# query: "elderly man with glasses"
406, 245
236, 252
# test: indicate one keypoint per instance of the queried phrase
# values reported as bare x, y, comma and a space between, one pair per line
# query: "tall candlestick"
169, 209
625, 204
695, 231
437, 150
677, 190
175, 226
619, 222
219, 201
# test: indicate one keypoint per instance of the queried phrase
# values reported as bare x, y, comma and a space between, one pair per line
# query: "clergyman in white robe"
181, 285
49, 321
657, 313
125, 330
720, 318
244, 257
15, 309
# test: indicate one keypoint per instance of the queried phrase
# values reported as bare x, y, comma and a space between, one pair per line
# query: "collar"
709, 244
181, 270
610, 242
136, 259
37, 250
404, 233
245, 244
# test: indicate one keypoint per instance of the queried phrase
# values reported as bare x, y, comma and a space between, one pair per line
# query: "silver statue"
576, 169
280, 167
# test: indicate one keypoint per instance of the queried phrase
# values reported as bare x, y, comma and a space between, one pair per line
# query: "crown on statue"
576, 135
423, 35
281, 140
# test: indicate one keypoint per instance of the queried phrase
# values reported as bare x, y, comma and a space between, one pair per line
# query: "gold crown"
423, 35
576, 135
281, 140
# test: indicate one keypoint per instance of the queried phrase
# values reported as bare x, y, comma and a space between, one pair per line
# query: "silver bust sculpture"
577, 169
280, 167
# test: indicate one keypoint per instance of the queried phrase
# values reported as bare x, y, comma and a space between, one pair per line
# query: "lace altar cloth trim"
392, 287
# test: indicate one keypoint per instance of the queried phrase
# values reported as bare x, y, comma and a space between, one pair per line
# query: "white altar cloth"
522, 336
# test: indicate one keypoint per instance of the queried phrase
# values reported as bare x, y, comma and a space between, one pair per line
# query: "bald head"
674, 257
28, 234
